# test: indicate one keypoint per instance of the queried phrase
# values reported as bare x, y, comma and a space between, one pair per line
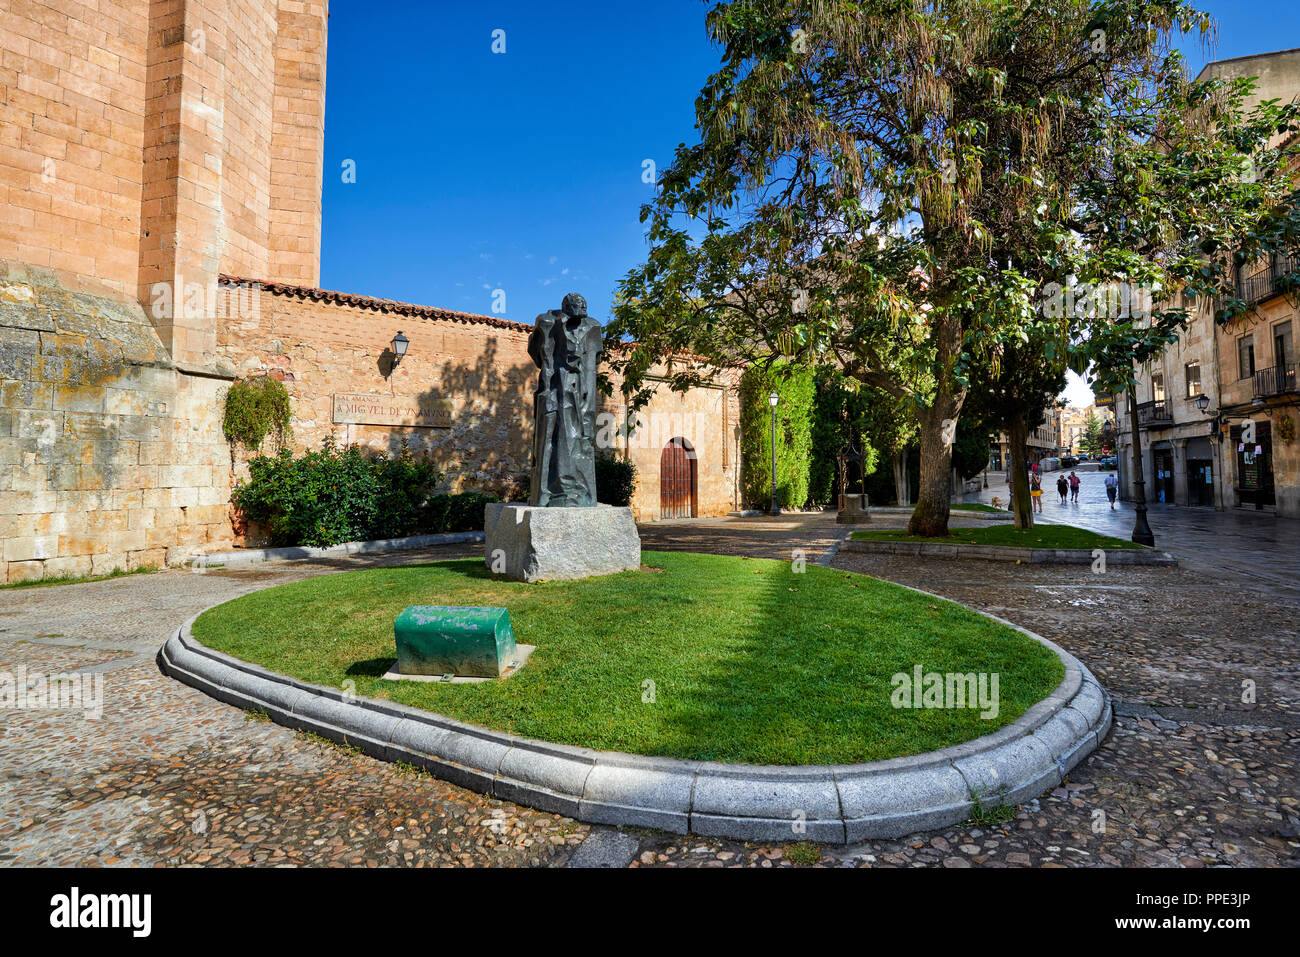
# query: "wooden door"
676, 481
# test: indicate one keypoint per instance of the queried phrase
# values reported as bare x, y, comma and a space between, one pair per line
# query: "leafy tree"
891, 430
1092, 433
1013, 396
970, 451
893, 186
841, 415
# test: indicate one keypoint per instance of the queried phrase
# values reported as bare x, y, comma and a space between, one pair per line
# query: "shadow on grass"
371, 668
812, 674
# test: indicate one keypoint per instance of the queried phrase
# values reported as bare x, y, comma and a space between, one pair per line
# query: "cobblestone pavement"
1189, 776
1251, 546
170, 776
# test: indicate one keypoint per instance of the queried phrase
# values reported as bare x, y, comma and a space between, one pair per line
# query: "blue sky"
523, 171
519, 171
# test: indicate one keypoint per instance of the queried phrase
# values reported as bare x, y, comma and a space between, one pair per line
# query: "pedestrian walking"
1062, 487
1112, 487
1075, 482
1036, 492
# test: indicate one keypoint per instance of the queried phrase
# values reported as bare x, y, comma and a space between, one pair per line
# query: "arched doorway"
677, 492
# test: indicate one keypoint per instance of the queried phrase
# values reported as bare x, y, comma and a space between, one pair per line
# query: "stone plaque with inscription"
356, 409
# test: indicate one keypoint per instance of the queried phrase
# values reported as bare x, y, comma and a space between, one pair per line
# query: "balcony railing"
1276, 380
1266, 282
1154, 413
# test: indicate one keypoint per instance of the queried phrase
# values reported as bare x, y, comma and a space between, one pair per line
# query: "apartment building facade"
1217, 411
1040, 444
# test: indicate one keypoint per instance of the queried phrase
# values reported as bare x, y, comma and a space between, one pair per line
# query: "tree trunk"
1136, 451
938, 429
930, 517
1017, 439
902, 487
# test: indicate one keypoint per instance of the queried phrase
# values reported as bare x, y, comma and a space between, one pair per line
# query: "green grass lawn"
751, 662
1040, 536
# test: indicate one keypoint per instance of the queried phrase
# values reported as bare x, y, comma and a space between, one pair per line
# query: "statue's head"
574, 305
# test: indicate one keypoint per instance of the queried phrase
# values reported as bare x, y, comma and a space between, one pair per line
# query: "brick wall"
319, 345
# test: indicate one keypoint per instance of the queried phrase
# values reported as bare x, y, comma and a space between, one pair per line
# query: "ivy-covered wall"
795, 386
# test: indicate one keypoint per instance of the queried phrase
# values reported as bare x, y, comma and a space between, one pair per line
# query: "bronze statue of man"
565, 344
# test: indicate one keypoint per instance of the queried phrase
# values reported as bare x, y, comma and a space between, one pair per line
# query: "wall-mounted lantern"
400, 342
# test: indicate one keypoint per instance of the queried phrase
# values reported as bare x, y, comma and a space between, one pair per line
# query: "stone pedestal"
530, 543
853, 510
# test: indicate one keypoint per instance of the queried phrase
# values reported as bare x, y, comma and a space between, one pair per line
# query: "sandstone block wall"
148, 142
110, 457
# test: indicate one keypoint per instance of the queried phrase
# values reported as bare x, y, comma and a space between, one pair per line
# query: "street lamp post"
1142, 533
772, 400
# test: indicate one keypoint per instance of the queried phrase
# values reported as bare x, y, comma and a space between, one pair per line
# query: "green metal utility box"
442, 640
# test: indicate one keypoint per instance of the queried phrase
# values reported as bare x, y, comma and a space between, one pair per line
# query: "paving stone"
606, 848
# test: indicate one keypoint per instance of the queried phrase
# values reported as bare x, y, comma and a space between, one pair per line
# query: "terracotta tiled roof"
380, 305
398, 308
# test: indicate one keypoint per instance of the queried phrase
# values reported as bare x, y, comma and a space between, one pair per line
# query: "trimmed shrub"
795, 387
615, 480
340, 495
454, 513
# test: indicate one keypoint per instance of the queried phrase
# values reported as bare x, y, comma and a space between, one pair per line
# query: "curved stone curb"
828, 803
1011, 553
255, 556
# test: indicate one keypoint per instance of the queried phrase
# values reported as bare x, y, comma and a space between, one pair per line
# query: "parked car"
1109, 462
1083, 456
1068, 461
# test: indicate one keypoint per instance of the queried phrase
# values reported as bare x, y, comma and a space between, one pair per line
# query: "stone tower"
147, 147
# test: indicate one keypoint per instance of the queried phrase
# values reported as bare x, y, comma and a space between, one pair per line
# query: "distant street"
1255, 547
